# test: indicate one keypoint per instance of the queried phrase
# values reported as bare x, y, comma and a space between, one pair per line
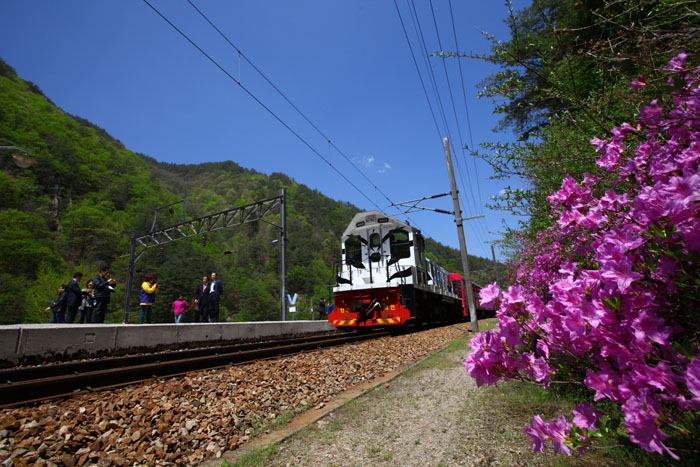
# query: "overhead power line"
477, 207
241, 54
466, 110
464, 96
284, 96
419, 33
431, 74
452, 98
255, 98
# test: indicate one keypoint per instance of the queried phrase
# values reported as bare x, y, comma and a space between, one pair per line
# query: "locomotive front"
381, 259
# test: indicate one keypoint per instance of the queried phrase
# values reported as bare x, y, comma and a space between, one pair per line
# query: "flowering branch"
607, 297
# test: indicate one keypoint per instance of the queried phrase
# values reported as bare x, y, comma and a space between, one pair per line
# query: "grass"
505, 409
261, 425
256, 457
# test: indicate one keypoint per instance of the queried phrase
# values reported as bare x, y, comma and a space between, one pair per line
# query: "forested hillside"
78, 205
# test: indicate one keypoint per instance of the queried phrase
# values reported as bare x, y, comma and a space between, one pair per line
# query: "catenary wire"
479, 229
416, 26
295, 107
422, 81
477, 207
421, 37
469, 125
307, 144
415, 62
464, 95
419, 33
443, 114
452, 99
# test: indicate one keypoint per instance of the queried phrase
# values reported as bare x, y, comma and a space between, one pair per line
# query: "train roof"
370, 219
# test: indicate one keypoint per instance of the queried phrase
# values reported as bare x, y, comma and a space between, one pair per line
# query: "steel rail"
67, 380
14, 375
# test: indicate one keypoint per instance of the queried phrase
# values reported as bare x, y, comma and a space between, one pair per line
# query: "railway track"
32, 384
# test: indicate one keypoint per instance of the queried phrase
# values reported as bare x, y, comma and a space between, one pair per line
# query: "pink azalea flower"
488, 296
538, 433
639, 82
542, 348
598, 143
558, 430
690, 232
601, 382
509, 331
596, 283
677, 62
660, 377
651, 114
513, 295
649, 326
692, 379
643, 428
541, 371
621, 273
594, 313
585, 416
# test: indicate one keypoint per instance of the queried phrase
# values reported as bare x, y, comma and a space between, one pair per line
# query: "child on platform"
179, 307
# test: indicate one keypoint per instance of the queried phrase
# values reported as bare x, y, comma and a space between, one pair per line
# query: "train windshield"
399, 244
353, 251
375, 240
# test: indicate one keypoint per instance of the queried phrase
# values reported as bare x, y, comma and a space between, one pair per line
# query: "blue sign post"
292, 301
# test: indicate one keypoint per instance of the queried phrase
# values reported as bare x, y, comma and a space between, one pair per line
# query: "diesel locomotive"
385, 279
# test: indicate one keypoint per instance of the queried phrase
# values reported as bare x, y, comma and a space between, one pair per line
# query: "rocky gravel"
184, 420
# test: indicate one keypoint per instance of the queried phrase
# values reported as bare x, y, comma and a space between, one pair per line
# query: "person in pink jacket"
179, 307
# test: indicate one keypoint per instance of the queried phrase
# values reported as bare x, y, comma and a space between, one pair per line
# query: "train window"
353, 250
399, 244
375, 243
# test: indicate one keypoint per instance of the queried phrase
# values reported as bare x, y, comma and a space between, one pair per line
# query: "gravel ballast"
184, 420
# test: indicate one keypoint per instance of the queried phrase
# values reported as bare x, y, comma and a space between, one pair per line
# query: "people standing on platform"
215, 289
321, 308
201, 302
179, 307
85, 308
58, 307
74, 297
103, 288
330, 309
148, 296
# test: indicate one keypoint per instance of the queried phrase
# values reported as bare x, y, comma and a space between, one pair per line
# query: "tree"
564, 78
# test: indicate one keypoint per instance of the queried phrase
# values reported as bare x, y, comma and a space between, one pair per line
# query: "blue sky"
346, 65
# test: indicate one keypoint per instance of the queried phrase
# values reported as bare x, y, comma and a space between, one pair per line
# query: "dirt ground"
429, 415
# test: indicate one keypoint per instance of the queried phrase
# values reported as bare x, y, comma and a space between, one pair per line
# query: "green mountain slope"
78, 205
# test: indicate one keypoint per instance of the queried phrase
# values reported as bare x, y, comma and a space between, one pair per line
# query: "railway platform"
33, 343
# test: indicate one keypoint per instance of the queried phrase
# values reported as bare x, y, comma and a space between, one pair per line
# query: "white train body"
385, 278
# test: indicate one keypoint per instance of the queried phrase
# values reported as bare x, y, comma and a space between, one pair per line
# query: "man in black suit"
102, 287
74, 297
201, 301
215, 290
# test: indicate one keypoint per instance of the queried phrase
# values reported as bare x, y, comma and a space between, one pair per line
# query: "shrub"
607, 297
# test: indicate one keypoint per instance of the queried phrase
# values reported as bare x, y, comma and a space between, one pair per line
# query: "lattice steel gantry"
221, 220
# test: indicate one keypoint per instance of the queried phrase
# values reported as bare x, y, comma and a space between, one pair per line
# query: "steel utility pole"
283, 253
460, 233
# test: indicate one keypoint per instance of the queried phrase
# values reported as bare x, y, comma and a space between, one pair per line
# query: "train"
384, 278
